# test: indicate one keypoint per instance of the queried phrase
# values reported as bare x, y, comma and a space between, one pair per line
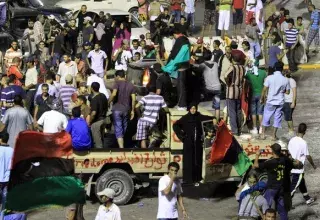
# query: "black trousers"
295, 183
182, 88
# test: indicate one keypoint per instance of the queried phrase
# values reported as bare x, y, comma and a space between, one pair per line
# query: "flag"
226, 149
172, 66
41, 173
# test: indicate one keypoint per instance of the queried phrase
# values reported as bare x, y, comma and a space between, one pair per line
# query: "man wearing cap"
98, 57
108, 210
66, 92
65, 68
53, 121
88, 30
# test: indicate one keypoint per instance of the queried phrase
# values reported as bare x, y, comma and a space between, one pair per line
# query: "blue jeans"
120, 123
256, 106
3, 14
255, 48
3, 193
274, 195
216, 98
177, 15
190, 19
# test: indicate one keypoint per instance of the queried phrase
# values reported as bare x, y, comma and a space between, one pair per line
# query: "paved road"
223, 205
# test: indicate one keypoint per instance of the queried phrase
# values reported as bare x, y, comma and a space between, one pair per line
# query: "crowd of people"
64, 84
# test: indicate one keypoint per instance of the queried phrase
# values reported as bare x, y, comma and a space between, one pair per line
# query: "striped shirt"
152, 104
7, 96
65, 95
10, 54
291, 36
315, 16
234, 80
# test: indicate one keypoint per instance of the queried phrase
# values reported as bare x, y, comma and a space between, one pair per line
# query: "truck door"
216, 172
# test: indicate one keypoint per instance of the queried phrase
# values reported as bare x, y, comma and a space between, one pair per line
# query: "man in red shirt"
237, 10
14, 69
176, 9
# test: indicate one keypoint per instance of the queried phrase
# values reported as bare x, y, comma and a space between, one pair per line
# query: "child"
148, 39
300, 27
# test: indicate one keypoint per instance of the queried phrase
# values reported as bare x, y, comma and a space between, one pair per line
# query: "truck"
126, 170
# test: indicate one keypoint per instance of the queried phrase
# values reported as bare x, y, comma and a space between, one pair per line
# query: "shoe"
260, 130
182, 109
254, 131
310, 201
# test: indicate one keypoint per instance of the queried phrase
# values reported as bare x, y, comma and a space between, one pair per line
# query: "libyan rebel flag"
41, 173
226, 149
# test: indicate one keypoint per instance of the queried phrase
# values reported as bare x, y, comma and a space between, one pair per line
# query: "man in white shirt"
170, 191
122, 56
98, 57
53, 121
109, 210
65, 68
298, 149
94, 78
189, 12
31, 83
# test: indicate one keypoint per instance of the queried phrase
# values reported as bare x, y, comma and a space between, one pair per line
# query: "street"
217, 201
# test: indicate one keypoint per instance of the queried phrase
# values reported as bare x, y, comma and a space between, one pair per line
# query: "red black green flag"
41, 173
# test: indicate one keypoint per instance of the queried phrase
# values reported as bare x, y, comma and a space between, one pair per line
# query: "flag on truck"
42, 174
226, 149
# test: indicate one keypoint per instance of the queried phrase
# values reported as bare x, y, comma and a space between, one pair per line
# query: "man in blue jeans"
123, 107
275, 168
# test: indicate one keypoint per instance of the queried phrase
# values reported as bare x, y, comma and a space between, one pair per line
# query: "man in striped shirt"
11, 53
313, 28
66, 92
291, 41
152, 104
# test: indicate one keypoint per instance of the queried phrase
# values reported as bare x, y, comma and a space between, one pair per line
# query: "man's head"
87, 46
96, 46
72, 23
30, 24
290, 23
16, 61
69, 79
183, 20
77, 58
216, 44
120, 74
49, 77
14, 45
246, 45
95, 86
166, 11
81, 100
42, 44
276, 38
83, 9
283, 142
66, 58
106, 195
87, 20
5, 80
76, 112
282, 10
299, 20
142, 43
207, 55
177, 32
18, 100
12, 78
228, 50
173, 168
302, 128
287, 14
30, 62
276, 150
44, 88
137, 56
41, 19
278, 66
253, 22
270, 214
125, 44
64, 32
311, 8
101, 14
4, 137
234, 45
83, 88
135, 44
252, 179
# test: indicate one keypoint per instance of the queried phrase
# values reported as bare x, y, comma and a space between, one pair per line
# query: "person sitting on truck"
78, 129
152, 104
169, 193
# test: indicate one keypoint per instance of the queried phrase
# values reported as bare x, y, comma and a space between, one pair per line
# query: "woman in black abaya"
189, 130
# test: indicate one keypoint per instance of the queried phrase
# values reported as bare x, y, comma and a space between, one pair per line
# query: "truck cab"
126, 170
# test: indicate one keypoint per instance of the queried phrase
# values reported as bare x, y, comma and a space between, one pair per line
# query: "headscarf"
108, 22
100, 31
193, 117
121, 32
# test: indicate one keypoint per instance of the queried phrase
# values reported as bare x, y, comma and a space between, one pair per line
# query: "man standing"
31, 82
125, 103
234, 80
237, 10
98, 57
224, 16
190, 12
169, 193
59, 47
298, 149
290, 41
252, 32
275, 86
15, 120
82, 13
41, 102
92, 77
65, 68
275, 168
29, 38
154, 9
176, 9
99, 109
11, 53
313, 28
209, 15
39, 29
290, 103
66, 92
88, 30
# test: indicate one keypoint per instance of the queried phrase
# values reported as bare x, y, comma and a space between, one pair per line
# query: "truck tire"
118, 180
134, 11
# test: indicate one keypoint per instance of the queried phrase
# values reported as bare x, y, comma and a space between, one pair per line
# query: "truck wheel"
118, 180
134, 11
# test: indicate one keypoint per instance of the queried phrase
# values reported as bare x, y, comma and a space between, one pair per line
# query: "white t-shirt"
97, 59
125, 56
95, 78
251, 7
298, 149
289, 98
53, 121
113, 213
31, 77
167, 207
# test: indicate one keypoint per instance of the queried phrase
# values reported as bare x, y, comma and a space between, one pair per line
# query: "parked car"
102, 5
